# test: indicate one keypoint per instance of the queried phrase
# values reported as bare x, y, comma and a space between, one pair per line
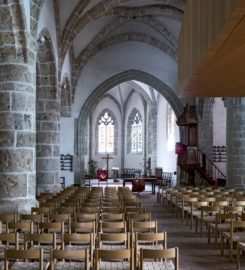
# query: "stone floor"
195, 252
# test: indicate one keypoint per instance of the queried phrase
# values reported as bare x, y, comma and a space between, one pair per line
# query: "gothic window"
106, 133
170, 129
135, 132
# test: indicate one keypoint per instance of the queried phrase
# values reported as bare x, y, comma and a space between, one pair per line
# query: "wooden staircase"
191, 159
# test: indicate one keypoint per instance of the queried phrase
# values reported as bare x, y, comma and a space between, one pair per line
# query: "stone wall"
235, 142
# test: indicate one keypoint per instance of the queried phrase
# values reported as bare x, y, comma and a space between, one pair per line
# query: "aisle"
195, 253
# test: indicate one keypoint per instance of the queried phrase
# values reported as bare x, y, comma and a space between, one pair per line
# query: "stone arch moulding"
47, 117
98, 93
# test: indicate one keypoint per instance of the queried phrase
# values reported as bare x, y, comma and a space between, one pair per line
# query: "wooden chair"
52, 227
69, 259
84, 227
35, 219
9, 241
46, 241
161, 259
113, 227
240, 247
109, 217
22, 259
83, 217
114, 241
222, 224
43, 211
114, 259
64, 217
156, 241
79, 241
235, 234
5, 218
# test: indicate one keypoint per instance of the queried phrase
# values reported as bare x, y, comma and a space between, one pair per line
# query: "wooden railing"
207, 166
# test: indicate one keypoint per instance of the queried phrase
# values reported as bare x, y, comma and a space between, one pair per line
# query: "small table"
151, 180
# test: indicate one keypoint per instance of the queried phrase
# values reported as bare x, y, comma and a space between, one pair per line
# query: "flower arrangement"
92, 168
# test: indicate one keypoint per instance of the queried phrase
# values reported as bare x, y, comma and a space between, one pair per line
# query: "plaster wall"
47, 20
165, 159
109, 63
219, 128
67, 145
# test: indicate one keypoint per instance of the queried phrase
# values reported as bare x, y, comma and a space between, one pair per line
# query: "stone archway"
96, 96
47, 117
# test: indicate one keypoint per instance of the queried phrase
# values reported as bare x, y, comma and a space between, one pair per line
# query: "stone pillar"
235, 141
47, 121
17, 114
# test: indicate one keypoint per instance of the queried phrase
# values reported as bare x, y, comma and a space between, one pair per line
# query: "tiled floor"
195, 252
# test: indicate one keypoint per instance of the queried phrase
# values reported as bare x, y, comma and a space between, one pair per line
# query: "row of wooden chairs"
220, 210
130, 230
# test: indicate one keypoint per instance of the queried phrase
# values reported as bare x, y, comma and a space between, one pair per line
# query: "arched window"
170, 129
135, 129
106, 130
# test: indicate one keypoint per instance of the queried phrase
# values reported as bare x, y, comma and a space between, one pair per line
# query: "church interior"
121, 134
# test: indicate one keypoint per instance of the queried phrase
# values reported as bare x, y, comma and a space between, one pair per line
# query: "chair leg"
238, 258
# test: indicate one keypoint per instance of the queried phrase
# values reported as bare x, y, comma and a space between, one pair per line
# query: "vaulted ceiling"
104, 33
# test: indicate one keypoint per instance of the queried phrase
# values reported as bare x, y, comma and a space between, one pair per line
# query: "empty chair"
114, 241
46, 241
113, 227
5, 218
160, 259
114, 259
9, 241
64, 217
109, 217
78, 241
24, 259
150, 241
69, 259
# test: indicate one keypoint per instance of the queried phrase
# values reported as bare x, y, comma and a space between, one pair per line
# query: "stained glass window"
170, 129
106, 134
136, 135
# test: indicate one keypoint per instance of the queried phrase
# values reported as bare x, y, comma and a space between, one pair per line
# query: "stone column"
17, 114
48, 148
48, 121
235, 141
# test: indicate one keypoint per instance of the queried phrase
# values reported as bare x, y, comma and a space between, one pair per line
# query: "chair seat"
221, 227
76, 247
114, 265
208, 219
237, 236
113, 247
168, 265
28, 266
69, 266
